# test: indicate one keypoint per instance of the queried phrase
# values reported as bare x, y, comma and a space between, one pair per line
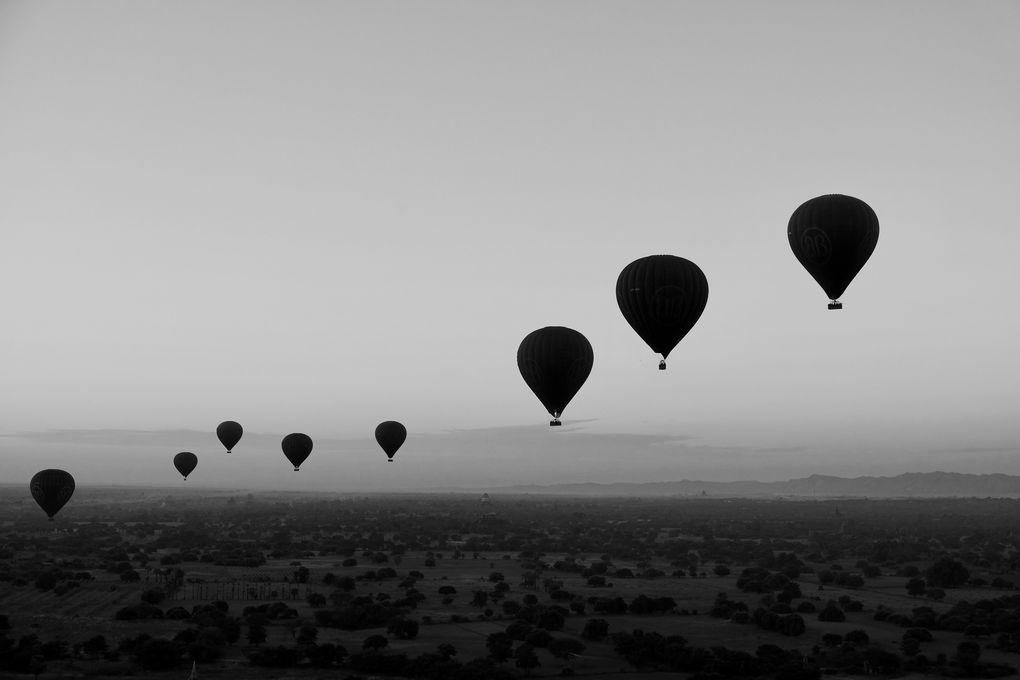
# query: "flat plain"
718, 579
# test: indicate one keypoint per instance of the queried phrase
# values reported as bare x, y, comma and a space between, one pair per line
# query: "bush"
551, 620
403, 629
141, 610
153, 595
832, 639
831, 613
919, 634
806, 607
130, 576
946, 573
858, 638
916, 587
375, 642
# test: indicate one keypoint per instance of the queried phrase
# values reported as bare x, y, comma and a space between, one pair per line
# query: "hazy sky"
315, 216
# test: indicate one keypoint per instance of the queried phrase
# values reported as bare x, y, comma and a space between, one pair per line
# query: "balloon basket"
662, 365
295, 469
554, 423
835, 305
389, 460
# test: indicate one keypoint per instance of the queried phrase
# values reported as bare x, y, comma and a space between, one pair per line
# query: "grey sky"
313, 216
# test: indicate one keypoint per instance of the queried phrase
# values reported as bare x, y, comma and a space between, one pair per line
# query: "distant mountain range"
909, 485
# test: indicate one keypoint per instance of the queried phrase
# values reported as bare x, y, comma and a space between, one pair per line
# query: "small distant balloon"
833, 236
229, 433
185, 462
555, 362
51, 489
390, 435
296, 447
662, 297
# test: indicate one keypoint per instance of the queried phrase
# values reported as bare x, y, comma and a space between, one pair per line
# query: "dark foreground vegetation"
149, 583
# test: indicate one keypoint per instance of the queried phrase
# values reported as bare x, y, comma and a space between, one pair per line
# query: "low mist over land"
911, 485
488, 457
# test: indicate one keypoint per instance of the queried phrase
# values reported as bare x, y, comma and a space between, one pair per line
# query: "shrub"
831, 613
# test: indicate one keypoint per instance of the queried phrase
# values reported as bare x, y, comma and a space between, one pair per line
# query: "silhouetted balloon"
833, 236
390, 435
555, 361
229, 434
662, 297
297, 447
185, 462
51, 489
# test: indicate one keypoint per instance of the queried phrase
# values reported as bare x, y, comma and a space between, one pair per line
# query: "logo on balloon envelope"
668, 305
815, 246
868, 243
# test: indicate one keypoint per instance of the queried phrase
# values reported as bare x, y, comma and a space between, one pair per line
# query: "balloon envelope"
229, 434
296, 447
51, 489
555, 361
391, 436
833, 236
185, 462
662, 297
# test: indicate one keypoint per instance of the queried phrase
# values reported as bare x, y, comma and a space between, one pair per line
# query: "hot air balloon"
662, 297
229, 434
51, 489
297, 447
555, 361
185, 462
833, 236
390, 435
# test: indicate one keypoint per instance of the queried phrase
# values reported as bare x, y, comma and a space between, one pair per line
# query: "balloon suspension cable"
662, 365
835, 304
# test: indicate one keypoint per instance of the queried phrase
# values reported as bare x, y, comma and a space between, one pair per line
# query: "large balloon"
297, 447
185, 462
229, 434
51, 489
833, 236
390, 435
555, 361
662, 297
